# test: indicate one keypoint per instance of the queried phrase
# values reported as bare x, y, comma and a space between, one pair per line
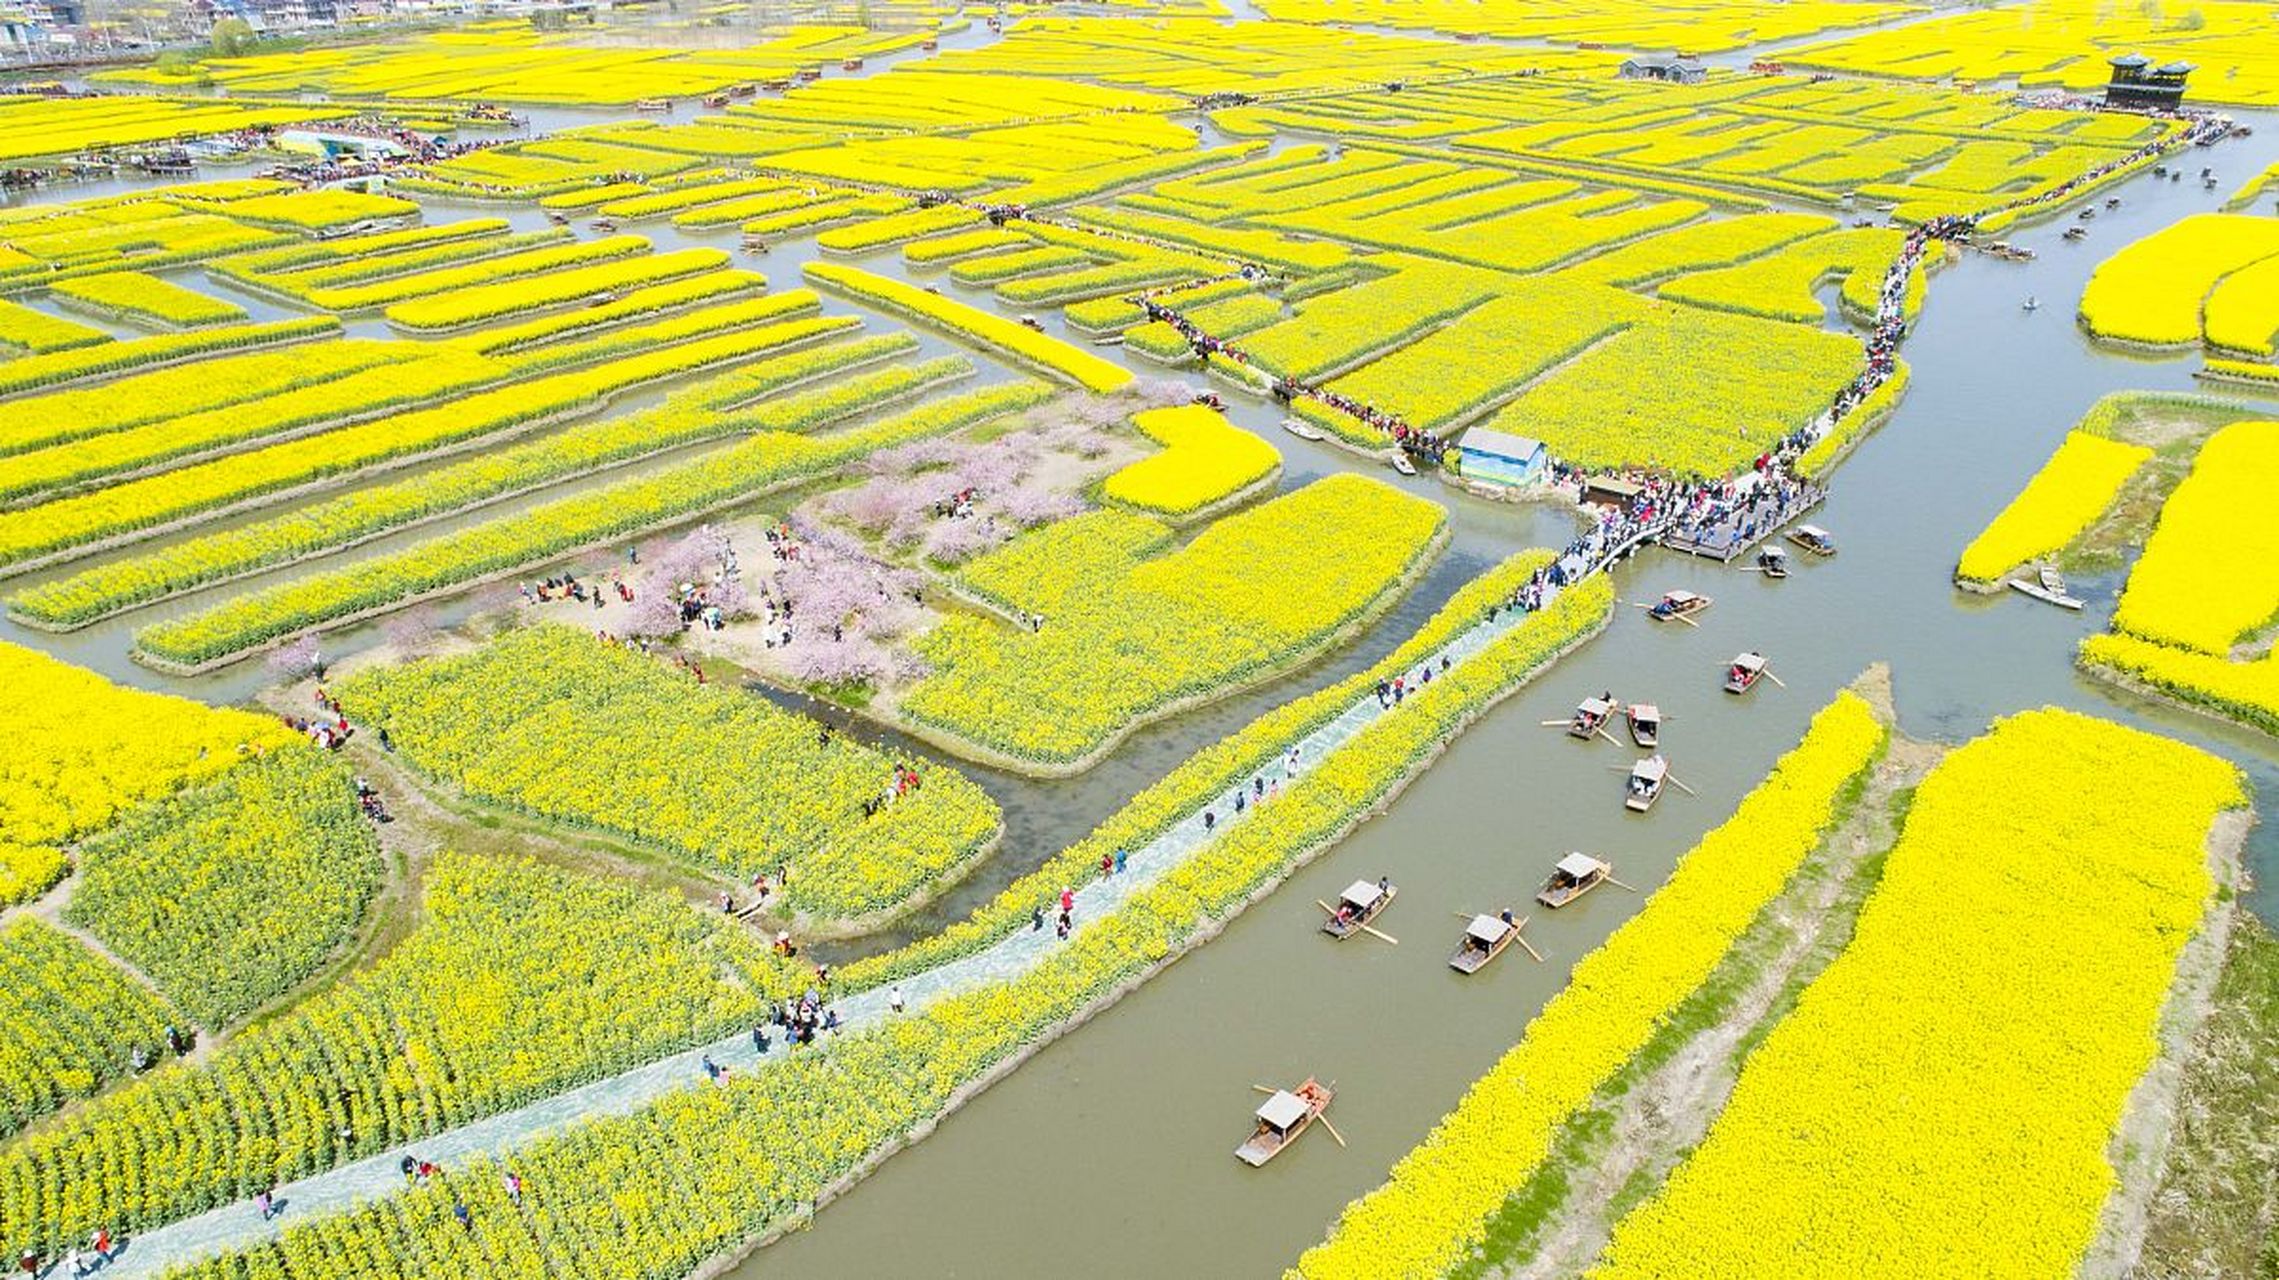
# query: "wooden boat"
1647, 778
744, 90
1484, 939
1402, 464
811, 73
1645, 724
1281, 1118
1300, 429
1744, 672
851, 64
1361, 903
2077, 233
558, 218
1576, 875
1773, 560
1678, 604
2049, 587
654, 105
928, 45
1814, 539
605, 224
1590, 715
716, 100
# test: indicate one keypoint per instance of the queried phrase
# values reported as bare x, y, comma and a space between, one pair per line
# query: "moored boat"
1301, 430
1281, 1118
2050, 588
1575, 875
1773, 561
1814, 539
1402, 464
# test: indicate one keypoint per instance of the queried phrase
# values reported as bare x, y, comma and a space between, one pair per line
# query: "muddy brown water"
1110, 1152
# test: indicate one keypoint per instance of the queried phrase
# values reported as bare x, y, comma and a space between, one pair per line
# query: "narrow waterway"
1111, 1151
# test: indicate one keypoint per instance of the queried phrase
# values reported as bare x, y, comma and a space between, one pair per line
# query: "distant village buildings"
1675, 68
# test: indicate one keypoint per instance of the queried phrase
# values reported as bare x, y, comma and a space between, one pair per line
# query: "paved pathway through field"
337, 1190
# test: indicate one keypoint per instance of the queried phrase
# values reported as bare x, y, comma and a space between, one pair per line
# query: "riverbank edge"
1752, 988
720, 1264
2139, 1145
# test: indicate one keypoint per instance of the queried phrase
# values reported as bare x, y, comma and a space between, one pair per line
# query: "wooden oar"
1679, 785
1323, 1116
1376, 933
1263, 1089
1325, 906
1679, 617
1521, 938
1608, 736
1619, 885
1775, 679
1557, 724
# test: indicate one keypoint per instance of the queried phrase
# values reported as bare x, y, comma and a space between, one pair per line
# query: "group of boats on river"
1287, 1113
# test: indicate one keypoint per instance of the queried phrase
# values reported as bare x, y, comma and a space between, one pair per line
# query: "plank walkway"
341, 1189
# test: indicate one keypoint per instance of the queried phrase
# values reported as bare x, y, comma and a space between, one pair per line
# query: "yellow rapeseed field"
1941, 1100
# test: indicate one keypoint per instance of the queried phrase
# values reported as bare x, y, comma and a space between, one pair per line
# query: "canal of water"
1110, 1151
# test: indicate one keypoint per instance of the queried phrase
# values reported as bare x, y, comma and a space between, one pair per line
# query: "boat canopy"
1576, 866
1594, 707
1363, 894
1815, 533
1283, 1109
1750, 661
1488, 930
1680, 597
1645, 713
1774, 552
1651, 768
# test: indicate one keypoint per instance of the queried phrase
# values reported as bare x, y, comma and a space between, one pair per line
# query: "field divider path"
152, 1253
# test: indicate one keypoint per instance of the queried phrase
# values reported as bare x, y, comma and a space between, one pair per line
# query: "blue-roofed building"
1500, 457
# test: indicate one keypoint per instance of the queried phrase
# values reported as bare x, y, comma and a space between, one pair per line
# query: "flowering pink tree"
295, 658
701, 562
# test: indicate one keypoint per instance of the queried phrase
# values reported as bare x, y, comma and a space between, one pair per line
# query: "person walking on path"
1067, 900
512, 1181
265, 1202
894, 998
459, 1211
1121, 856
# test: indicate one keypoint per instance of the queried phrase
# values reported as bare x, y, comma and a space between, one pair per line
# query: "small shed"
1283, 1110
2140, 83
1612, 491
1674, 68
1501, 457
